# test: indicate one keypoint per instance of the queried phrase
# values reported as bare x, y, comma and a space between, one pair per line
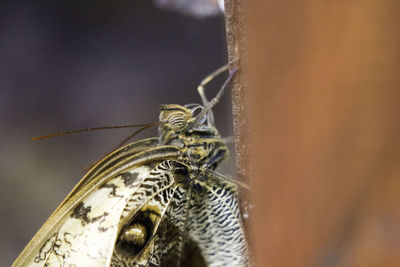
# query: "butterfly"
154, 202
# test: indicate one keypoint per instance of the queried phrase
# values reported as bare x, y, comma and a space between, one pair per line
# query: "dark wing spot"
129, 178
102, 229
80, 212
113, 192
100, 217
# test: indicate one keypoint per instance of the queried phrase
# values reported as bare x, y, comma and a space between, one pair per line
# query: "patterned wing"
87, 233
189, 222
171, 238
145, 211
215, 223
150, 208
83, 229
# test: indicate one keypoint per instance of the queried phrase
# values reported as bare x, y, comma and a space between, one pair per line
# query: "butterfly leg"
200, 89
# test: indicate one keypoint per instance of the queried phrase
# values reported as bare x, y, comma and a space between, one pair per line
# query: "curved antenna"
210, 104
149, 125
145, 126
123, 142
200, 90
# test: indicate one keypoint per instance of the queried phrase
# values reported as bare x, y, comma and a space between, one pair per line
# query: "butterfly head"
188, 128
181, 118
191, 128
177, 120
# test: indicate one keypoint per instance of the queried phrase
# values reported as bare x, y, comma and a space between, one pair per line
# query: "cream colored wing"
87, 234
83, 229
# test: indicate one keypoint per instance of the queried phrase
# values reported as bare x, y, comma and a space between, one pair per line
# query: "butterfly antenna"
210, 104
149, 125
144, 126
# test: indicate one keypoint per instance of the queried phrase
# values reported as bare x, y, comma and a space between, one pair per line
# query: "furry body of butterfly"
154, 202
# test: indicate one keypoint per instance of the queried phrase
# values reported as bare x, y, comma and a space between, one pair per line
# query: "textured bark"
235, 35
237, 57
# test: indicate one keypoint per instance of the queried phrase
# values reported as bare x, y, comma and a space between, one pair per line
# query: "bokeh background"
76, 64
325, 155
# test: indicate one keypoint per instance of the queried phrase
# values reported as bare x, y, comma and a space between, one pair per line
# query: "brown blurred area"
325, 105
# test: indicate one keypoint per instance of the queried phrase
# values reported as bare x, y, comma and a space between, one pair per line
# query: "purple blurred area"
70, 64
197, 8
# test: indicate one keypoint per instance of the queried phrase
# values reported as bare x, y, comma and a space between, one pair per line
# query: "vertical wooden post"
324, 114
235, 35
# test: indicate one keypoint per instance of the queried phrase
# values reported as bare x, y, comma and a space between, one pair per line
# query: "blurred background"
325, 153
72, 64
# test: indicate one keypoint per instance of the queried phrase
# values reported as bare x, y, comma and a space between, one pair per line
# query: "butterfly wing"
87, 233
196, 223
150, 206
215, 223
69, 218
187, 222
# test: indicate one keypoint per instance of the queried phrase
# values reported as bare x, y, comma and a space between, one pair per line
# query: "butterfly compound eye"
175, 117
177, 121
